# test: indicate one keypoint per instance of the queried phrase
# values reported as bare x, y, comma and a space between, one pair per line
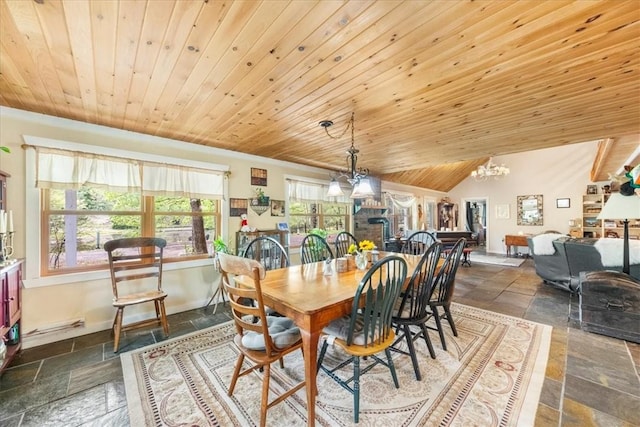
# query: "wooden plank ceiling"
436, 86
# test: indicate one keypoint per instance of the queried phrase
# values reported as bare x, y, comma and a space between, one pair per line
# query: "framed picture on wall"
277, 208
238, 207
563, 203
592, 189
258, 176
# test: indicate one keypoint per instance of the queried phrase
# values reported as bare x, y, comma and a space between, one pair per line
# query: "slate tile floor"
591, 380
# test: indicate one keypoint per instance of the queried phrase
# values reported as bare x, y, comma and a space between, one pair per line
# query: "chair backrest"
418, 243
344, 239
442, 291
135, 258
374, 301
268, 252
243, 315
415, 301
314, 248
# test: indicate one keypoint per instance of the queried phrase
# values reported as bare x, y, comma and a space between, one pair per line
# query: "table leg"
310, 348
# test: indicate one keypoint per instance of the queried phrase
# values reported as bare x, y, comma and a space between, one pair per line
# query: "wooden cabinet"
243, 238
11, 308
593, 227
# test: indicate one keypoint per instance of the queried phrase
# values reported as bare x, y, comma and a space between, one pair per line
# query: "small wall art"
563, 203
277, 207
258, 176
502, 211
238, 207
592, 189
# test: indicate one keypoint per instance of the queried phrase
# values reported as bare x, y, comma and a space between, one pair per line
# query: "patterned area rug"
491, 375
495, 260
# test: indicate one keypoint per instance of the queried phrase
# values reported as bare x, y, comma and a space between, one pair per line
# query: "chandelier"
484, 172
356, 176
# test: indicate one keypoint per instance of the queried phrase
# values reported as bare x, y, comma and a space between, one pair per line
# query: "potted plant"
260, 199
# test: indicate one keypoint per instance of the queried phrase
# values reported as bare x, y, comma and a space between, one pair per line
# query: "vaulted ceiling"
436, 86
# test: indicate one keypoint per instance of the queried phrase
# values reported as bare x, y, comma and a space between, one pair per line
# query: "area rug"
491, 375
495, 260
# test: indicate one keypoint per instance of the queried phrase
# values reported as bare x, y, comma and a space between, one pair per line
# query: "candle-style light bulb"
10, 222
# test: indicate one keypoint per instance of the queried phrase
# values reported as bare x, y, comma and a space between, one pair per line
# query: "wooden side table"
515, 240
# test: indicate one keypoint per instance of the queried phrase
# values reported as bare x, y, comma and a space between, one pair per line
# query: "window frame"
147, 214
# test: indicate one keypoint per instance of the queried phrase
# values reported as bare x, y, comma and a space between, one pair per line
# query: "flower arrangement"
364, 245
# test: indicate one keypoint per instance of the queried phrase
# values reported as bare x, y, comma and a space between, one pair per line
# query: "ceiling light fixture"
356, 176
484, 172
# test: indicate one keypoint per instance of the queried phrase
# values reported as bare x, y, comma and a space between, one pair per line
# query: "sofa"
559, 259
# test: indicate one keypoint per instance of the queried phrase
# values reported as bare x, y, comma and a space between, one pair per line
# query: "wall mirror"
530, 210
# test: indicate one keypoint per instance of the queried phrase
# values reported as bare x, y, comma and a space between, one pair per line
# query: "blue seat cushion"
283, 331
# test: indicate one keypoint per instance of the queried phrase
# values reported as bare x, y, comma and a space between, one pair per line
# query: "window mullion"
148, 216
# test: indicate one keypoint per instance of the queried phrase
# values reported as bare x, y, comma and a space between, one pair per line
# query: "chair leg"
450, 319
265, 395
163, 318
356, 389
436, 316
412, 352
117, 324
323, 350
236, 373
427, 339
392, 367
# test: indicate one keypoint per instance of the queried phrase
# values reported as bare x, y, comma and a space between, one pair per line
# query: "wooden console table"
515, 240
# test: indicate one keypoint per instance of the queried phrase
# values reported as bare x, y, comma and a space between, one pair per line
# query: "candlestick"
10, 222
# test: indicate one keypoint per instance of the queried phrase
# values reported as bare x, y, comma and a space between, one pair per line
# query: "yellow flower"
366, 245
352, 249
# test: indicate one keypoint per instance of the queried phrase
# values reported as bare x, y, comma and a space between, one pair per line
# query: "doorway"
474, 218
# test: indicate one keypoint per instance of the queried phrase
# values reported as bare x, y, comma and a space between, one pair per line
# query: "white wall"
560, 172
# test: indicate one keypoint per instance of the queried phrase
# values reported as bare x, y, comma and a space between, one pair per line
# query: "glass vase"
361, 260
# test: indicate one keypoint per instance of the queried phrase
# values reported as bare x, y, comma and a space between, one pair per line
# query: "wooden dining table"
312, 300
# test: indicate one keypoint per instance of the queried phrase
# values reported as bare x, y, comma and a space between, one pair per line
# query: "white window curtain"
64, 169
302, 191
402, 201
61, 169
181, 181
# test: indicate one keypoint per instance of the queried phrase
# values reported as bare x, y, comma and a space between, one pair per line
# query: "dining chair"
412, 307
368, 330
344, 239
257, 341
314, 248
418, 243
442, 290
271, 254
135, 266
268, 252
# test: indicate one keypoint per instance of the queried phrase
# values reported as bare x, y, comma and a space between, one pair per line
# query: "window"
305, 216
78, 222
87, 198
310, 208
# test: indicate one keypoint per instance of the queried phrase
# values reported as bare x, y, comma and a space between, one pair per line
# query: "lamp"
622, 207
356, 176
483, 172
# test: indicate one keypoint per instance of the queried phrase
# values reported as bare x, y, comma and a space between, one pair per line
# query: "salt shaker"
326, 268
